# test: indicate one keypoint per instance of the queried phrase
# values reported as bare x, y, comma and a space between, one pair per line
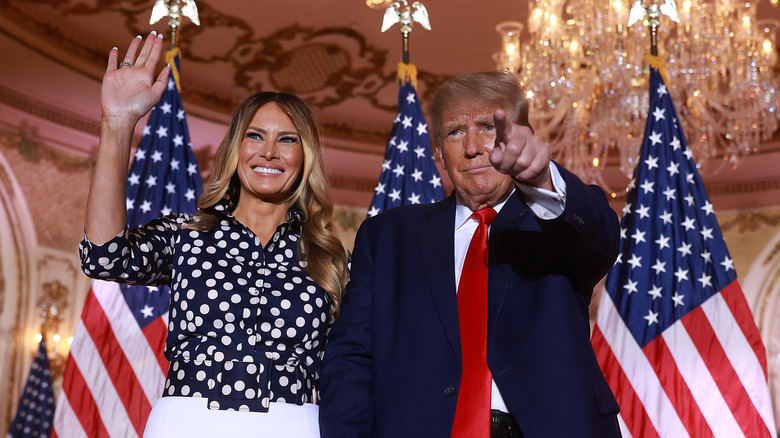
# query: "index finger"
503, 126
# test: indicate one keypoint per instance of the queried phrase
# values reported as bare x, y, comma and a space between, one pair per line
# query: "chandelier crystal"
585, 75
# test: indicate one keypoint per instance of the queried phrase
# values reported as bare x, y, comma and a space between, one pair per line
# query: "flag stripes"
670, 368
116, 369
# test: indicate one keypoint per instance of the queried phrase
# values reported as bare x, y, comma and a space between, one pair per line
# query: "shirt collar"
228, 203
463, 213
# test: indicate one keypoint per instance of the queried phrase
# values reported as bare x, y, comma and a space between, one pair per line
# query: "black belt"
503, 425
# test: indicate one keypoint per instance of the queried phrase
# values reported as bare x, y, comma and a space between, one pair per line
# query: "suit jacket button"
578, 220
449, 391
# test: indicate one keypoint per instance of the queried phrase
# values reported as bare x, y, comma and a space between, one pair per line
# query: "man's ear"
437, 151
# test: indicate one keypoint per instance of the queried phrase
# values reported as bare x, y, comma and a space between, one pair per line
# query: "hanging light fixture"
585, 76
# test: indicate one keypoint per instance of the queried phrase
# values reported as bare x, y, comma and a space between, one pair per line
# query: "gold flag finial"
402, 12
174, 9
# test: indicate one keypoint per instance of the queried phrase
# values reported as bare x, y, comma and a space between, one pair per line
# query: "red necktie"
472, 414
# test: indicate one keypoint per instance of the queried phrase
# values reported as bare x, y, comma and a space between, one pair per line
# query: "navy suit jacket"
392, 364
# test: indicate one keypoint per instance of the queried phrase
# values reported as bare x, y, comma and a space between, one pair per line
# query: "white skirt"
190, 417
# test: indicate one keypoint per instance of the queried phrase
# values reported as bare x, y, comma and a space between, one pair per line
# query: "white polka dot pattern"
246, 323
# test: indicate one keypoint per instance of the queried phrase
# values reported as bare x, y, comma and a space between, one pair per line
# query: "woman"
256, 276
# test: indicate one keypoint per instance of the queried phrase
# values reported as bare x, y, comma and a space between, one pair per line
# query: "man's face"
468, 136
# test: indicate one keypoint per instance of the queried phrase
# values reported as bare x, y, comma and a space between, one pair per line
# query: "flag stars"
643, 212
627, 208
688, 223
661, 90
651, 317
192, 168
655, 138
659, 113
147, 130
386, 165
410, 98
635, 261
170, 188
678, 299
166, 211
422, 128
663, 242
166, 108
655, 292
705, 280
688, 154
689, 178
190, 194
689, 200
685, 249
420, 151
146, 207
373, 211
151, 181
380, 188
666, 217
180, 114
728, 264
707, 256
395, 195
161, 132
129, 204
670, 194
140, 154
399, 170
178, 140
414, 198
706, 233
417, 175
673, 168
651, 162
681, 274
174, 164
630, 287
647, 186
147, 311
133, 179
638, 236
707, 208
659, 266
407, 122
157, 156
675, 143
435, 182
403, 146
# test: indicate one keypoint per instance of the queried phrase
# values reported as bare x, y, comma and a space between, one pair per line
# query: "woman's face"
270, 157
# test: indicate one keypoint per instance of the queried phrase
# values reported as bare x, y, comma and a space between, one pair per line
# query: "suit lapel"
510, 217
437, 242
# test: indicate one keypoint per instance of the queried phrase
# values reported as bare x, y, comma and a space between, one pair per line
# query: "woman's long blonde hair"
319, 246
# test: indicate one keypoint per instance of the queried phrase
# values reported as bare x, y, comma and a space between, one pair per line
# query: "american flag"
409, 174
36, 407
116, 368
674, 335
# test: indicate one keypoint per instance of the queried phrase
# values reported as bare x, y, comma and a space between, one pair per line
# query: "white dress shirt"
545, 204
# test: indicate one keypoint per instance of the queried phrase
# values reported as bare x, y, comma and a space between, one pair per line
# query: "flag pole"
409, 174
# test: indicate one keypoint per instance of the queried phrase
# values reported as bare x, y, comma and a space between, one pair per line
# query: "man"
394, 365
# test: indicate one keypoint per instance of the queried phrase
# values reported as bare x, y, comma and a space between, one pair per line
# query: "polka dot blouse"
247, 325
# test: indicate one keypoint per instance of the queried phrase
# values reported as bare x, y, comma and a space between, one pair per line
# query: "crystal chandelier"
585, 76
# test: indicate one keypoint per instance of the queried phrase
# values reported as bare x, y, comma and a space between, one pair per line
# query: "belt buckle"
242, 386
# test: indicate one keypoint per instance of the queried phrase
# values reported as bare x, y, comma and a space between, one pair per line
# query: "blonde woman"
256, 275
